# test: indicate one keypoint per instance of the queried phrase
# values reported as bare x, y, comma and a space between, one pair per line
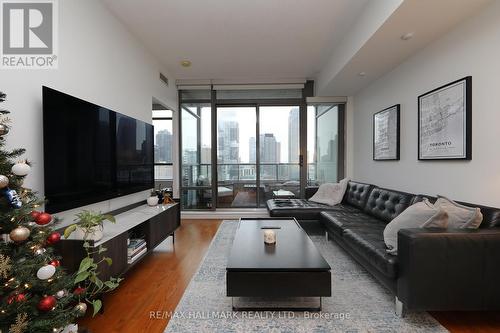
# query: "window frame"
164, 163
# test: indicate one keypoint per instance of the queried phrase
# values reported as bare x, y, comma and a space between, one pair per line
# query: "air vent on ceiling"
164, 79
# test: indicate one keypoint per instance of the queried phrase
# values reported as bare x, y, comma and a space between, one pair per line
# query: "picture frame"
386, 134
445, 122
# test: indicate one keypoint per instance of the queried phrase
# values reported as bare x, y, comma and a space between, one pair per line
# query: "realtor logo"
29, 34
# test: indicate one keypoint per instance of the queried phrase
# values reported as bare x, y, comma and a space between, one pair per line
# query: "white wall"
99, 61
472, 48
374, 14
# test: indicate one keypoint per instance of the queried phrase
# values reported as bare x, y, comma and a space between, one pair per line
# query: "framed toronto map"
445, 122
386, 134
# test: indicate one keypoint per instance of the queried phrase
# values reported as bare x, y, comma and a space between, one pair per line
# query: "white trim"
326, 100
193, 87
258, 86
222, 214
192, 82
259, 81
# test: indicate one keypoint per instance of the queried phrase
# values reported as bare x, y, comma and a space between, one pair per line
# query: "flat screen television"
92, 153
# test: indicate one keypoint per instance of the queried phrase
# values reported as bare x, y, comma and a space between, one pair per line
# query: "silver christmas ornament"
40, 251
21, 169
45, 272
4, 129
60, 294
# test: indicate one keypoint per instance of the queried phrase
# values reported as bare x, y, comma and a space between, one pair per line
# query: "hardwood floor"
469, 322
157, 284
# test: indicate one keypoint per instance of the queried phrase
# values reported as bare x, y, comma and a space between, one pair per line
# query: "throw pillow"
460, 216
420, 215
330, 194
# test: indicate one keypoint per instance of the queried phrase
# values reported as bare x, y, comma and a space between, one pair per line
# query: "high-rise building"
228, 142
228, 149
163, 148
293, 136
270, 149
327, 164
252, 150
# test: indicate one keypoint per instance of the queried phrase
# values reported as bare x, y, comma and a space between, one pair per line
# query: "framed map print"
386, 134
445, 122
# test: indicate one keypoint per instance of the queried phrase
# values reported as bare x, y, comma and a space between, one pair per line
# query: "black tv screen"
91, 153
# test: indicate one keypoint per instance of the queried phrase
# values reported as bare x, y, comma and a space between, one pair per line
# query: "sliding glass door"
196, 169
258, 150
279, 136
241, 146
236, 157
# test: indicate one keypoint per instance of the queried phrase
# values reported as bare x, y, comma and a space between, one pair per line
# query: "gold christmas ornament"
4, 181
19, 234
81, 308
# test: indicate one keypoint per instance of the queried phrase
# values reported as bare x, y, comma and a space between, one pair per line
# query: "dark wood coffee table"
293, 267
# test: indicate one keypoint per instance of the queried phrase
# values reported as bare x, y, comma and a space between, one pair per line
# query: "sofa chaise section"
434, 270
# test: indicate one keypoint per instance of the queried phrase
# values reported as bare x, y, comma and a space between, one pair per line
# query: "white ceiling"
240, 39
428, 20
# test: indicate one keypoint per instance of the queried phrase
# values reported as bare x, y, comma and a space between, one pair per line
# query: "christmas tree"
36, 295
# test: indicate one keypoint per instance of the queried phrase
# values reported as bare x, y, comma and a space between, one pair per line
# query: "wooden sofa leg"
399, 308
326, 235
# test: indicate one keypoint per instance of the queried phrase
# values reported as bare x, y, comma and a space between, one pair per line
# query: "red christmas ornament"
20, 297
55, 263
47, 303
78, 290
16, 297
43, 219
53, 238
34, 214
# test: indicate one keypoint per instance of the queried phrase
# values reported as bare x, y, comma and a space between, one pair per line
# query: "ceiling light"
407, 36
362, 74
186, 63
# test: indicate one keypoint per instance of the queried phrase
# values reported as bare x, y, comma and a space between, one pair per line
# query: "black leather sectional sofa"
434, 269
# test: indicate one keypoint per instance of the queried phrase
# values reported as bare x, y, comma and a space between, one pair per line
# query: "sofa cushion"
460, 216
357, 194
419, 215
330, 193
386, 204
368, 242
339, 220
301, 209
491, 215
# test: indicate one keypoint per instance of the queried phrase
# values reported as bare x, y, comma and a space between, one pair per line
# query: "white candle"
269, 237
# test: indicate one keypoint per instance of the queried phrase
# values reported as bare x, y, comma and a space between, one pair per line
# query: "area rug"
358, 303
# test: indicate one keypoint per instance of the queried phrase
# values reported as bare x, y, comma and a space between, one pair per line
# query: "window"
240, 145
163, 136
196, 150
324, 143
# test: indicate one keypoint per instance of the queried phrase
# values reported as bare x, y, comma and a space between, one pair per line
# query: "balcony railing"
245, 172
237, 183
